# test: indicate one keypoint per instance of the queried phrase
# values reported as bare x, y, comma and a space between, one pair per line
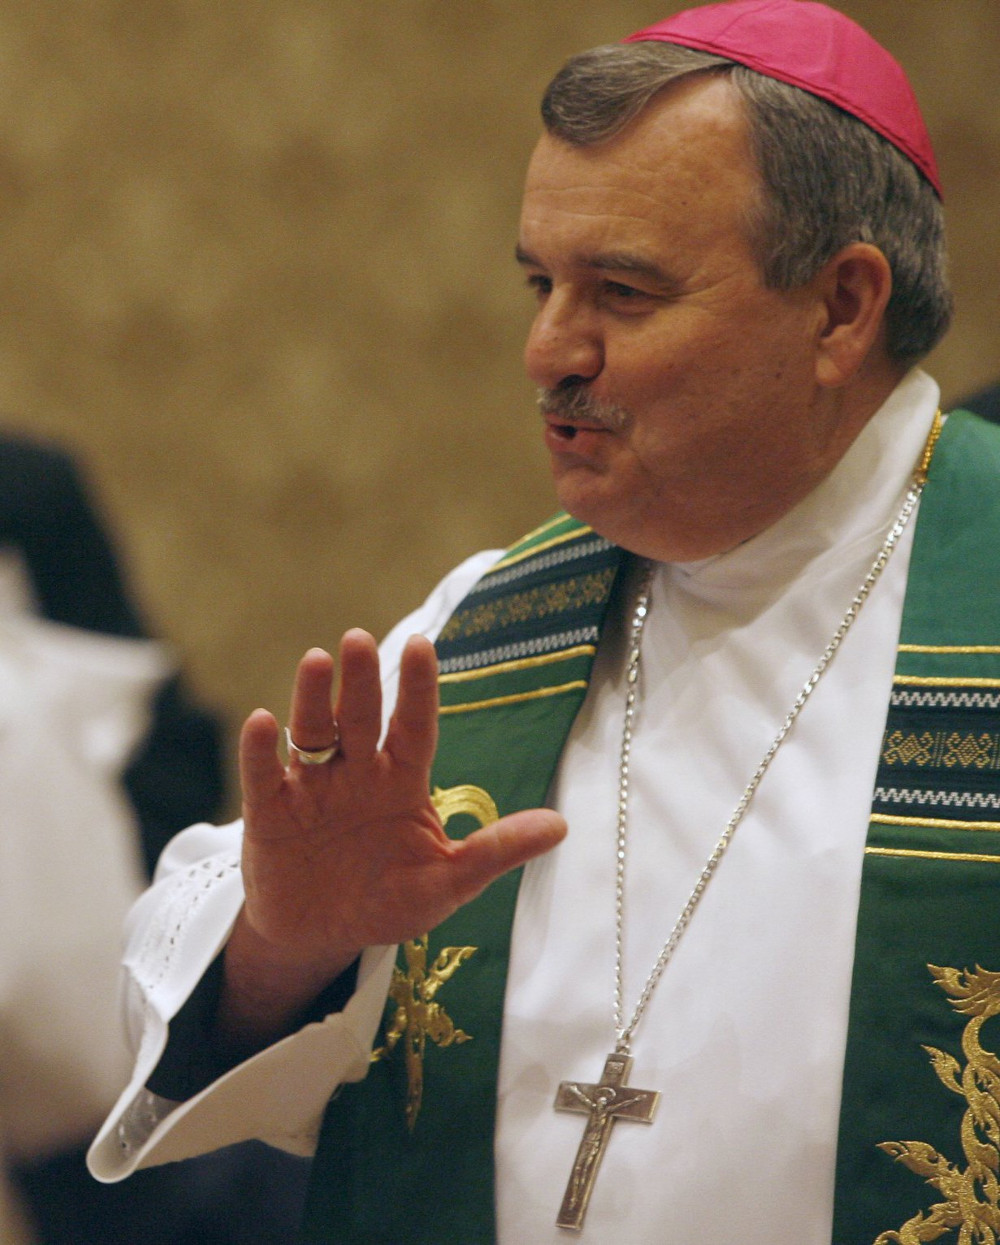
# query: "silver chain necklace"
612, 1098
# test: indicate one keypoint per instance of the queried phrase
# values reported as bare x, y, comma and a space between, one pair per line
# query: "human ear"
853, 291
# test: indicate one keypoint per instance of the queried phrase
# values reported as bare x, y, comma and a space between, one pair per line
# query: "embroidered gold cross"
418, 1017
609, 1100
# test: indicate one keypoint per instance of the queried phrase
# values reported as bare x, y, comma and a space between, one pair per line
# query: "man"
732, 229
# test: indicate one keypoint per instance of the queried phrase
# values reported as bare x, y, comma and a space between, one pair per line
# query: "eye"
540, 285
625, 299
627, 293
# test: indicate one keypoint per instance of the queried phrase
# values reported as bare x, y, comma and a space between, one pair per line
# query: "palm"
351, 853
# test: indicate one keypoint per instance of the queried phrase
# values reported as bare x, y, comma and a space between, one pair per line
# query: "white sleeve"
175, 931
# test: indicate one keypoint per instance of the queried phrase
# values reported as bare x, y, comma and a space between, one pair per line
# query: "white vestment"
744, 1036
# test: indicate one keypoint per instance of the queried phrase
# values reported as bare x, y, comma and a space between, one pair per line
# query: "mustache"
573, 402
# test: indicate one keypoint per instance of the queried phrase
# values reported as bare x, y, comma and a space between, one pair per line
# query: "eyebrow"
609, 261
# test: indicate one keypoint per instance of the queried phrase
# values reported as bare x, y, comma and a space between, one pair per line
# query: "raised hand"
350, 853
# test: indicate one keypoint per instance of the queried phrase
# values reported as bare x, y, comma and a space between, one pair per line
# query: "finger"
310, 715
504, 845
359, 700
261, 772
412, 735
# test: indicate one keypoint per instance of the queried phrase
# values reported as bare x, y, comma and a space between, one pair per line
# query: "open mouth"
569, 430
569, 411
575, 438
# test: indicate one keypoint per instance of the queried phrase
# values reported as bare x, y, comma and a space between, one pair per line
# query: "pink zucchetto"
811, 46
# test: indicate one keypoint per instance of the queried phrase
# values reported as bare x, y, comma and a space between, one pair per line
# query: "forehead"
684, 166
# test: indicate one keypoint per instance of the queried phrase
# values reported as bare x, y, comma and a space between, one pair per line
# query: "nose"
564, 343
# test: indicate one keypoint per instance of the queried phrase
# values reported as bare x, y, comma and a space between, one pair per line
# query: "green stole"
921, 1085
406, 1156
515, 658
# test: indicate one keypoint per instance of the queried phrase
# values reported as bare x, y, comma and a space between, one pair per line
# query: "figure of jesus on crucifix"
604, 1102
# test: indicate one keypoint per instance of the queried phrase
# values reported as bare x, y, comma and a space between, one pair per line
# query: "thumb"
501, 846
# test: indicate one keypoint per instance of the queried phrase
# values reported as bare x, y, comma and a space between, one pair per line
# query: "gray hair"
827, 178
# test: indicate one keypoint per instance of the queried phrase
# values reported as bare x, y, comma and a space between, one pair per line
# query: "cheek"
706, 423
702, 388
686, 365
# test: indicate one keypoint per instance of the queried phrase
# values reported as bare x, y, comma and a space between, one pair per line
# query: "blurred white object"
73, 705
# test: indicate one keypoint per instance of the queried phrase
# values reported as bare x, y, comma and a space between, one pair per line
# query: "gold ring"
312, 756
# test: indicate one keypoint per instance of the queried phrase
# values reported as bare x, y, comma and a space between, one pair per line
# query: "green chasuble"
406, 1156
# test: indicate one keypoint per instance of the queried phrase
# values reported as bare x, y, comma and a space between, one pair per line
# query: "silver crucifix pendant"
611, 1099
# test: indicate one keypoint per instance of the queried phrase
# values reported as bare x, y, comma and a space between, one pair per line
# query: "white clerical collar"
853, 504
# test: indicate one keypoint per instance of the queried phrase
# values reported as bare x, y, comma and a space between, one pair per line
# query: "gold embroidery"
909, 749
974, 857
465, 799
956, 750
535, 603
924, 466
548, 525
418, 1016
912, 680
513, 558
949, 648
539, 693
968, 750
523, 663
932, 823
971, 1196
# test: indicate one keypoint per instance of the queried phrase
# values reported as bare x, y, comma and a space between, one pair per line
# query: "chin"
607, 520
584, 506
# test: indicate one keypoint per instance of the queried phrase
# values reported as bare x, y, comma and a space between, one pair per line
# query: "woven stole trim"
515, 659
918, 1151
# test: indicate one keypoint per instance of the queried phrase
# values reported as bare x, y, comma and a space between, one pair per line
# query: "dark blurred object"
246, 1195
986, 403
176, 777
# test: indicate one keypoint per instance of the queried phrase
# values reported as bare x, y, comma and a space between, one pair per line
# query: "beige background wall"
255, 268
